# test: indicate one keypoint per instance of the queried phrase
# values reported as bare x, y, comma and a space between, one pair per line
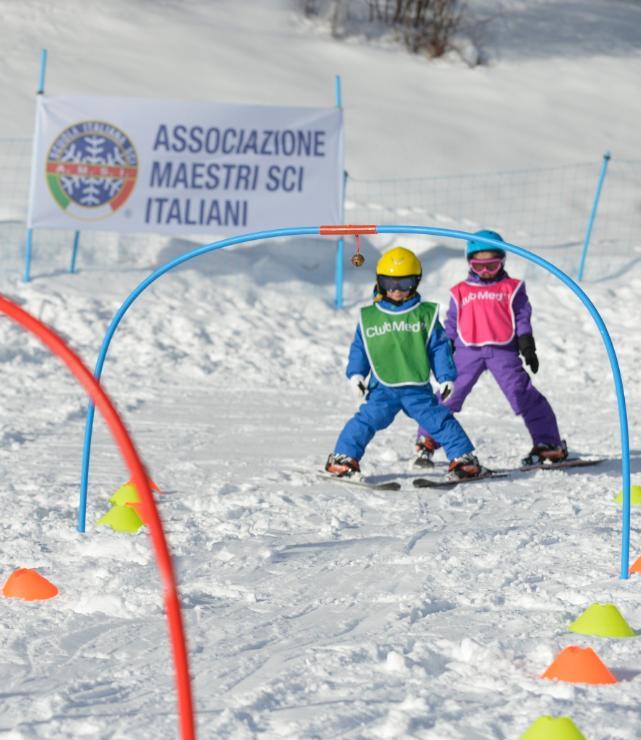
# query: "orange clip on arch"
347, 230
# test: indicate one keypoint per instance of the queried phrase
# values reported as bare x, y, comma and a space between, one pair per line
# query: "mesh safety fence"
545, 210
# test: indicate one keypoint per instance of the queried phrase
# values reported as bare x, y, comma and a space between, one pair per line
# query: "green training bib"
396, 342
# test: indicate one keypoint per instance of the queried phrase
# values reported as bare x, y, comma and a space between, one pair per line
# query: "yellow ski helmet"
399, 262
398, 269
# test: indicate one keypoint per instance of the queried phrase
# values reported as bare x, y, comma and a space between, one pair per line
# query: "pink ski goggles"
489, 266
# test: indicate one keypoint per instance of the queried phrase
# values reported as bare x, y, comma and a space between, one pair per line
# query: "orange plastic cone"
29, 585
579, 665
636, 566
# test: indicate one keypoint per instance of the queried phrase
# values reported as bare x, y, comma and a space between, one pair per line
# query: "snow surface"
313, 609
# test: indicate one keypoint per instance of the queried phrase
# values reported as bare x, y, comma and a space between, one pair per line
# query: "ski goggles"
388, 283
488, 266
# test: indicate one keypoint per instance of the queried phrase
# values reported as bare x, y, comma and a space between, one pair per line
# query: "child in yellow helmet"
399, 343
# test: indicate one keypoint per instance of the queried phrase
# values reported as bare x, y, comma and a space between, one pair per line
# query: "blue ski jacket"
439, 350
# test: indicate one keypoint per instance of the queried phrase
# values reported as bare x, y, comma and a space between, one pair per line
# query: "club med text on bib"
396, 342
485, 313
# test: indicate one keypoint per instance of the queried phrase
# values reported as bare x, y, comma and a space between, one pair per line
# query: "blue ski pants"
419, 403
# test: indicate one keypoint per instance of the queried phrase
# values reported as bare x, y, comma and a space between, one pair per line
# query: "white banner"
132, 164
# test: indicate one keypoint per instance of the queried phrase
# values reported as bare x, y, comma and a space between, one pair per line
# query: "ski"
570, 462
431, 483
363, 483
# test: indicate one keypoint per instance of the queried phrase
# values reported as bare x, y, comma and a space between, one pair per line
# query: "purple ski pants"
505, 365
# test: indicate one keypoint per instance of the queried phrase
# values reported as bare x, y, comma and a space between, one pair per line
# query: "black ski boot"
343, 466
425, 448
543, 453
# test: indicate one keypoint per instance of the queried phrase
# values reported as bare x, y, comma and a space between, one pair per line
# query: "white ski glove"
358, 384
446, 389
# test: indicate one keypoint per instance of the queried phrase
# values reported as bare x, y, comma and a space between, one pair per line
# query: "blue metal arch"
422, 230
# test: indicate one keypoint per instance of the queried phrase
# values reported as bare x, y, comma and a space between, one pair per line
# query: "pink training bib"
485, 314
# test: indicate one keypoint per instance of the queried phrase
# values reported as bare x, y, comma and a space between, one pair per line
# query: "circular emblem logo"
91, 169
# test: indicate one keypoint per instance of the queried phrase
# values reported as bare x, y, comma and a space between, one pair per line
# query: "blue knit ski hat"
473, 247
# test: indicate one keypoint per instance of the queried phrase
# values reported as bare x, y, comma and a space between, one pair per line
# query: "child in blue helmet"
398, 344
488, 321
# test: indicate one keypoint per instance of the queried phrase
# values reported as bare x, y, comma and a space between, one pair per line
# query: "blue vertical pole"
340, 245
595, 205
43, 70
74, 251
27, 255
29, 237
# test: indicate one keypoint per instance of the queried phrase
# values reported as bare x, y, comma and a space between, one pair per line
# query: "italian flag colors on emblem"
57, 170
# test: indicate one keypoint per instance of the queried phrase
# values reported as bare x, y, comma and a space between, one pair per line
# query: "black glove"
528, 349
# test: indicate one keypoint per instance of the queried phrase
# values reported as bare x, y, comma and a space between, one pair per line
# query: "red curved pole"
149, 510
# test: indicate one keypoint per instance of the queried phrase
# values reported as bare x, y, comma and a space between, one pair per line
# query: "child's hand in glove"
358, 385
528, 349
529, 355
446, 389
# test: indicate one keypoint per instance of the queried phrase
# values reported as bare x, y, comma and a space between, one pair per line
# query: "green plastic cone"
635, 496
126, 494
604, 620
122, 519
553, 728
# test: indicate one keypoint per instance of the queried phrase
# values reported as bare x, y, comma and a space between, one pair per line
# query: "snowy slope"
562, 85
313, 609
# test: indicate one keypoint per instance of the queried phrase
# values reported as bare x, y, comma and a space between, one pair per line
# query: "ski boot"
466, 466
425, 448
545, 453
343, 466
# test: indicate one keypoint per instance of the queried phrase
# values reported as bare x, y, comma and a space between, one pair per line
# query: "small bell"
358, 260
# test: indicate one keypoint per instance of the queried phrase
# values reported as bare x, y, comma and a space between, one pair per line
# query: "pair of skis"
573, 462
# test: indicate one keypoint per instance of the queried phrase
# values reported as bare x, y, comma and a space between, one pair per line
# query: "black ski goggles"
388, 283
